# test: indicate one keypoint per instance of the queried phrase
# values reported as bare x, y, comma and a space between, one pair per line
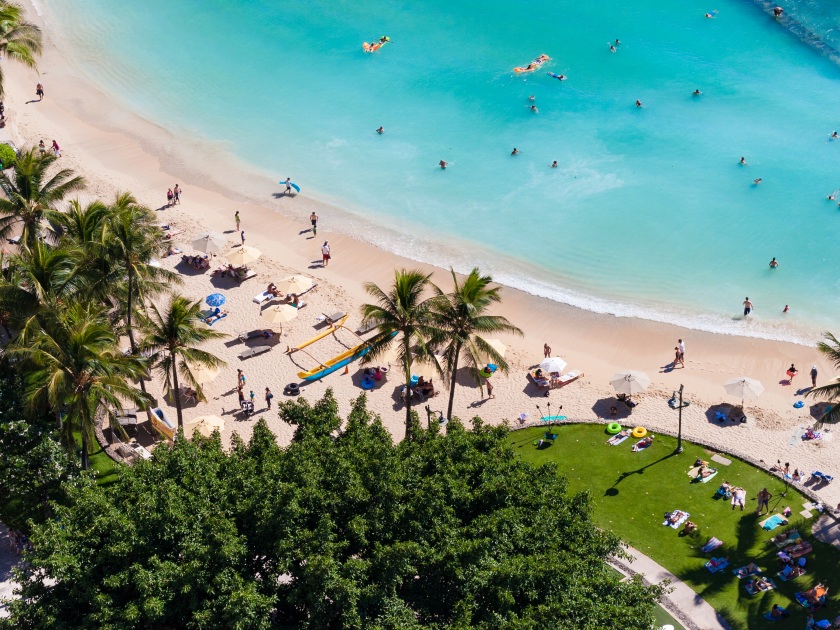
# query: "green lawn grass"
105, 467
632, 491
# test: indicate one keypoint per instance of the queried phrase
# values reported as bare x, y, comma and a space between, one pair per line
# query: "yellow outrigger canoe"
336, 363
320, 335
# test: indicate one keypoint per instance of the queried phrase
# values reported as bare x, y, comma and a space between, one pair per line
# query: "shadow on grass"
613, 491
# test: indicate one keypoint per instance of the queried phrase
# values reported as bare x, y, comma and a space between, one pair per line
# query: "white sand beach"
116, 151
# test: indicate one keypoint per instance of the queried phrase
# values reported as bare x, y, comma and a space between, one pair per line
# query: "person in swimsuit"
177, 193
554, 164
443, 164
380, 131
534, 109
42, 147
743, 161
748, 306
325, 254
774, 263
515, 151
39, 92
757, 181
56, 149
639, 103
696, 93
313, 219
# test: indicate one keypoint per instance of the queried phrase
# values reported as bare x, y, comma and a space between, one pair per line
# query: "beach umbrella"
243, 255
553, 364
280, 313
743, 387
210, 243
426, 370
630, 382
203, 374
294, 284
215, 299
499, 347
205, 425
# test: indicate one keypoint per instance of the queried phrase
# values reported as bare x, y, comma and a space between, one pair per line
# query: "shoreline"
88, 127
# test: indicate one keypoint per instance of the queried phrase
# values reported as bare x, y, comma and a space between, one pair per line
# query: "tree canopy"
341, 529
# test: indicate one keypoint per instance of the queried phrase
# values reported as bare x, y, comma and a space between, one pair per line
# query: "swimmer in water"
443, 164
380, 131
534, 109
709, 16
696, 93
743, 162
777, 11
560, 77
833, 195
834, 135
785, 309
774, 263
756, 181
532, 98
639, 103
554, 164
617, 43
612, 48
515, 151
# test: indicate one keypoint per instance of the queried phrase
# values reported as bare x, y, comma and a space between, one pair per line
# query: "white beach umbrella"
294, 284
280, 313
553, 364
203, 374
243, 255
630, 382
426, 370
744, 387
499, 347
205, 425
210, 243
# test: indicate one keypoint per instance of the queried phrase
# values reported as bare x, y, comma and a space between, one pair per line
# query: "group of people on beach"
173, 196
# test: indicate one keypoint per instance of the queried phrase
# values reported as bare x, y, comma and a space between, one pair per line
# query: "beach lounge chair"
335, 317
247, 274
716, 564
565, 379
821, 477
262, 297
541, 379
252, 352
257, 333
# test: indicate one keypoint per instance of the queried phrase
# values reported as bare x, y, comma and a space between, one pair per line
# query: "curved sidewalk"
682, 602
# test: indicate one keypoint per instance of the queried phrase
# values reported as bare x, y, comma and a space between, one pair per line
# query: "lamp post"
679, 448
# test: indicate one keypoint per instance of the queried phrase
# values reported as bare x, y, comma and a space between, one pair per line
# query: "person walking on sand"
236, 218
681, 346
177, 193
791, 373
677, 357
39, 92
313, 219
42, 148
813, 376
242, 236
490, 389
268, 397
764, 500
169, 197
56, 149
325, 254
546, 350
748, 306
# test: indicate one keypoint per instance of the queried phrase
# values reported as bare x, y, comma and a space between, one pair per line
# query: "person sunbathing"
747, 570
725, 489
762, 584
425, 388
816, 595
216, 316
675, 516
689, 527
644, 443
272, 289
705, 471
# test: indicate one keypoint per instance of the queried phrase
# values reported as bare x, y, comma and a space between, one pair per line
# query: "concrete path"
683, 603
8, 559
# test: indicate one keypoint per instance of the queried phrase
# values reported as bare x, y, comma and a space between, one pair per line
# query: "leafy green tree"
402, 316
172, 338
74, 364
20, 40
31, 193
462, 319
830, 349
338, 530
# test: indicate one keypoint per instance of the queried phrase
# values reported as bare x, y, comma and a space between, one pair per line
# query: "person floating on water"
833, 195
559, 77
834, 135
774, 263
515, 151
696, 93
612, 48
777, 11
554, 164
639, 103
743, 161
711, 15
380, 131
534, 109
443, 164
757, 181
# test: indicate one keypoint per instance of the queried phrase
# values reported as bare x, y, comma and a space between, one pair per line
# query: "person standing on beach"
681, 346
42, 148
546, 350
490, 389
169, 196
313, 219
748, 306
268, 397
177, 192
813, 376
236, 218
791, 373
242, 236
56, 149
39, 92
325, 254
677, 357
288, 186
764, 500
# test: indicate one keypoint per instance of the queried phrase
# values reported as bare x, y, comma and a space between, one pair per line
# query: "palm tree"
133, 239
75, 364
19, 40
401, 316
461, 319
33, 195
830, 349
172, 338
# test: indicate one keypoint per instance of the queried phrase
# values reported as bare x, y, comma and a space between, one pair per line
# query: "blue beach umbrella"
215, 299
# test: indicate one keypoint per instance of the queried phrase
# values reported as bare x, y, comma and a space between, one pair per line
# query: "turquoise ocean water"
648, 213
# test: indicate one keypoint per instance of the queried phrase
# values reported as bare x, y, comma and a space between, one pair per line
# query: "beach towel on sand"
773, 522
681, 518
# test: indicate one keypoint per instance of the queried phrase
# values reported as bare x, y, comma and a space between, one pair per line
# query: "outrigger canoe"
320, 335
336, 363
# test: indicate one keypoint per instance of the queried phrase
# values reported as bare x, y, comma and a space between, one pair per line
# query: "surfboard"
292, 184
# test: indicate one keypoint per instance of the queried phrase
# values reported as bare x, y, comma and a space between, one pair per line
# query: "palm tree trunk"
453, 377
85, 460
408, 393
130, 330
176, 394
